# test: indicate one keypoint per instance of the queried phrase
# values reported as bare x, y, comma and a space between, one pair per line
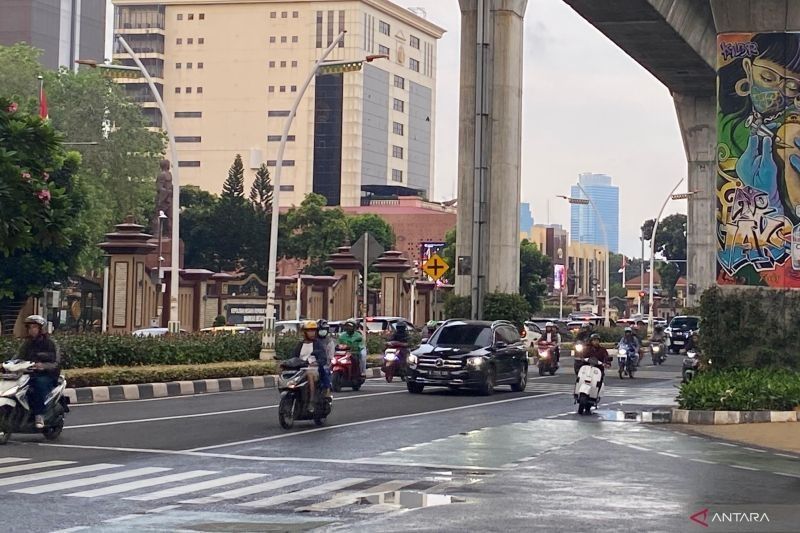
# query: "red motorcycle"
394, 361
345, 370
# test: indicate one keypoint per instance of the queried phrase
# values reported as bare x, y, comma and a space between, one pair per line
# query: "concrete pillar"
756, 15
498, 258
697, 118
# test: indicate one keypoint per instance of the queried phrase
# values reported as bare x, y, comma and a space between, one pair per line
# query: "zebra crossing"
166, 486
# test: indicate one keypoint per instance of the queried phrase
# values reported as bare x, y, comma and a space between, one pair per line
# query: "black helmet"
322, 324
659, 327
400, 324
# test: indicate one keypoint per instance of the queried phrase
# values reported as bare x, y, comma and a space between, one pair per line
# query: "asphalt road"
385, 461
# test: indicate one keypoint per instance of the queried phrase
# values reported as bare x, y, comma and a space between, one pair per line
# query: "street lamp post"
672, 196
588, 201
174, 317
268, 338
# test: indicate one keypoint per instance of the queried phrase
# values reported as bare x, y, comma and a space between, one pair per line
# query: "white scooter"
15, 413
587, 387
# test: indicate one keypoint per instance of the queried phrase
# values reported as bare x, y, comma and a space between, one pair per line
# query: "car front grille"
447, 364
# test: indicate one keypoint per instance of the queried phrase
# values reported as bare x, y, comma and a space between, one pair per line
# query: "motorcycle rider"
584, 333
311, 350
323, 333
553, 337
353, 339
41, 349
629, 340
693, 342
430, 329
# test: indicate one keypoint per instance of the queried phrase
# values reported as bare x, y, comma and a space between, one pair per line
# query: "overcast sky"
588, 108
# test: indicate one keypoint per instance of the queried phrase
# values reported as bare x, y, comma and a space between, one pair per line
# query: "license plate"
437, 374
677, 342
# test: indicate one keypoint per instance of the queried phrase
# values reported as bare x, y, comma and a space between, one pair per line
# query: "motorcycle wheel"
356, 386
54, 431
319, 414
336, 382
389, 375
541, 370
286, 412
5, 430
553, 371
621, 374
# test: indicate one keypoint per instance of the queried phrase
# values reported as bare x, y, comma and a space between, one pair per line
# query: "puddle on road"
406, 499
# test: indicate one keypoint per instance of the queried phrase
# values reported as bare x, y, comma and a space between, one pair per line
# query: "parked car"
477, 355
381, 324
288, 327
223, 330
679, 331
532, 334
152, 332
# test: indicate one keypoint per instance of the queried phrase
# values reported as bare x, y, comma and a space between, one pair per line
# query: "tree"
511, 307
670, 239
632, 269
534, 269
233, 188
618, 291
670, 273
261, 196
261, 190
380, 229
43, 227
449, 255
312, 232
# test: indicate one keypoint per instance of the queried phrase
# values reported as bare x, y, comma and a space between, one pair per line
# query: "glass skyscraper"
584, 225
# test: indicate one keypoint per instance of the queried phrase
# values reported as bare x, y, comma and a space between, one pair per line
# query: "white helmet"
549, 325
36, 319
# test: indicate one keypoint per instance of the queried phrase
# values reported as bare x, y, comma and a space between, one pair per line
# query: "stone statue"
164, 199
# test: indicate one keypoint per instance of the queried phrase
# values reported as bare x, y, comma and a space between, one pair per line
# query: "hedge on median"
767, 389
111, 375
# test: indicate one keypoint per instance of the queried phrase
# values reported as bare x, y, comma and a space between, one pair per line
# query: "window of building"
287, 188
295, 39
199, 90
295, 14
341, 27
398, 128
283, 64
272, 39
414, 42
397, 175
271, 88
277, 138
383, 50
190, 40
201, 40
200, 64
180, 16
188, 65
399, 82
188, 90
191, 16
283, 88
271, 64
284, 14
319, 29
187, 139
273, 14
384, 28
397, 151
284, 39
294, 64
188, 163
286, 163
294, 88
202, 16
330, 27
177, 65
178, 41
399, 105
188, 114
177, 90
413, 64
280, 113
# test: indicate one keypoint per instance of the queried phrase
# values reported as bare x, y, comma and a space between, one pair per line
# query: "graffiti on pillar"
758, 173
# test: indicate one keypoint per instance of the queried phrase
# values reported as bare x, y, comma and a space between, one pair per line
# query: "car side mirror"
424, 341
500, 345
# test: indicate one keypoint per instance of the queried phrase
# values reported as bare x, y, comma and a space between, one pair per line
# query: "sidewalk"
776, 435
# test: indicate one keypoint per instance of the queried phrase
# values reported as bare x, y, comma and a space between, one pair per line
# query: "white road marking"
71, 529
134, 485
121, 518
730, 445
640, 448
303, 494
374, 420
754, 449
252, 489
195, 487
669, 455
786, 455
215, 413
162, 509
346, 499
82, 482
33, 466
704, 461
5, 460
55, 473
740, 467
797, 476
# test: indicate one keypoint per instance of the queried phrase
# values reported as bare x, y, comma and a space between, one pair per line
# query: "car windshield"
684, 323
375, 326
463, 335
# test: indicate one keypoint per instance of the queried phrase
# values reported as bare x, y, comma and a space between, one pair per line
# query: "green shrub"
220, 321
110, 375
285, 346
457, 306
376, 343
742, 390
609, 334
502, 306
551, 311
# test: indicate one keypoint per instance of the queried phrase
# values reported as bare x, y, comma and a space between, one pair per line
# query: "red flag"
42, 101
624, 264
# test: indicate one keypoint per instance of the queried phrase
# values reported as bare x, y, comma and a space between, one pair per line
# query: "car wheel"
520, 385
414, 388
487, 388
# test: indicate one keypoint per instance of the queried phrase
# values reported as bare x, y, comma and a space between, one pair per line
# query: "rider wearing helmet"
658, 334
353, 339
598, 352
311, 350
41, 350
430, 329
552, 337
630, 340
584, 333
323, 334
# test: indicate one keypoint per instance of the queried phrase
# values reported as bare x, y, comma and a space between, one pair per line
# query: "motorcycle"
394, 361
15, 413
658, 353
627, 360
577, 355
691, 365
345, 369
587, 388
547, 361
294, 388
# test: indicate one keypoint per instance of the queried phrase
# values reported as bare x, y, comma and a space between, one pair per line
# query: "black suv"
470, 354
679, 331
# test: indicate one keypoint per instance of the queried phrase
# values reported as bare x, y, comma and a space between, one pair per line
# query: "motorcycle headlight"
579, 348
412, 359
544, 354
656, 349
390, 355
475, 362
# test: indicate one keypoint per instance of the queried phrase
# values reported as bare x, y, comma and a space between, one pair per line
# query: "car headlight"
475, 362
412, 359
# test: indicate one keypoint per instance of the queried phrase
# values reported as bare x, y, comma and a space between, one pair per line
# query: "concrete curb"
687, 416
147, 391
645, 417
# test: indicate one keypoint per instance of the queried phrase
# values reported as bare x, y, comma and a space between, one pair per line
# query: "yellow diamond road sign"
435, 267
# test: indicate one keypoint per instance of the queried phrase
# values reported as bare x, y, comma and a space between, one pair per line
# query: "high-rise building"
525, 218
584, 225
65, 30
229, 71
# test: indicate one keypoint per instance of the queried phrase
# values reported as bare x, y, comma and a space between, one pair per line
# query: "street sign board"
435, 267
374, 251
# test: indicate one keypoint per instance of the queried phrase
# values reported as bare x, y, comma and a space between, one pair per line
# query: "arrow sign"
373, 249
435, 267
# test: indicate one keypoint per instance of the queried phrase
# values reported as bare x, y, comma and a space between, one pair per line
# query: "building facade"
584, 225
230, 70
65, 30
525, 218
